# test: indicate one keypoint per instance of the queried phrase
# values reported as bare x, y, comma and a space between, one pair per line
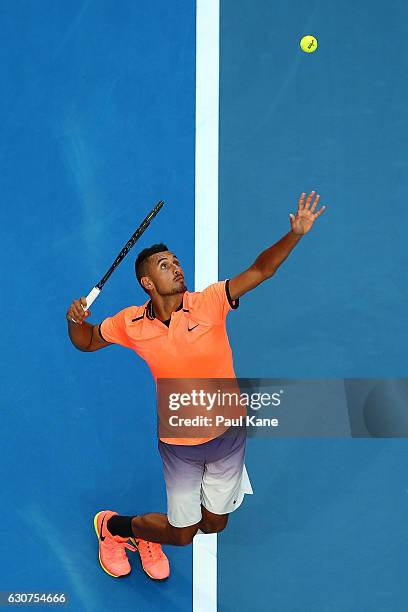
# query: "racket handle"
91, 297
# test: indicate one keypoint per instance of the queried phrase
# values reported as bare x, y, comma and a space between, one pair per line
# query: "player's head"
158, 271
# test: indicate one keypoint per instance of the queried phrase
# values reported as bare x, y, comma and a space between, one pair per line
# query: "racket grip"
91, 297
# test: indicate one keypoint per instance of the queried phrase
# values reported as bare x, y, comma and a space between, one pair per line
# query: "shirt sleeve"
217, 301
113, 329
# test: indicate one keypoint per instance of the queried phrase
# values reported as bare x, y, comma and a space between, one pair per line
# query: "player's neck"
164, 305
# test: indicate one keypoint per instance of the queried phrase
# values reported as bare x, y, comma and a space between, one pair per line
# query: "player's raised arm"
269, 260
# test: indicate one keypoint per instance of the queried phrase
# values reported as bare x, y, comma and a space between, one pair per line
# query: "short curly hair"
140, 267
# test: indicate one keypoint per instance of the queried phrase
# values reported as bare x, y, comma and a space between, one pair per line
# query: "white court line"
206, 238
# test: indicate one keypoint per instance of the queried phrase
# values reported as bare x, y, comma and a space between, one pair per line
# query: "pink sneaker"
153, 559
112, 554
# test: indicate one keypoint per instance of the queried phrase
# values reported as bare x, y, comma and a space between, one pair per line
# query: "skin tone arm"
84, 336
269, 260
80, 332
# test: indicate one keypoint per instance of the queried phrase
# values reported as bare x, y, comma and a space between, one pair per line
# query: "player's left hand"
305, 216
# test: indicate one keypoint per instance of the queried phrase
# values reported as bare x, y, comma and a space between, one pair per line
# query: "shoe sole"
99, 550
145, 570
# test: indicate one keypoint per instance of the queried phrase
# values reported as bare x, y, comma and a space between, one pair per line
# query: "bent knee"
182, 536
215, 526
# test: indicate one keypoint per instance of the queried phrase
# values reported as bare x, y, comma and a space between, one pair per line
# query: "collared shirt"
194, 344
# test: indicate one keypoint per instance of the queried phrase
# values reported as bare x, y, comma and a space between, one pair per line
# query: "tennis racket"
93, 294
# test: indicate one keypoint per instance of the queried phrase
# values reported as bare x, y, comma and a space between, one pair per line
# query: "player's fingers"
71, 314
320, 212
78, 318
309, 199
315, 203
79, 312
301, 201
81, 304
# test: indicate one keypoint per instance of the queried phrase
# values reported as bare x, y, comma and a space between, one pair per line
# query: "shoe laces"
115, 547
153, 549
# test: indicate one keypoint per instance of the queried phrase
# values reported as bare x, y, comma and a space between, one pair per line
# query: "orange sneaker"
112, 554
154, 561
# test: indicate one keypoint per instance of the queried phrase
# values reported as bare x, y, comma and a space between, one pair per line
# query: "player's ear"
146, 283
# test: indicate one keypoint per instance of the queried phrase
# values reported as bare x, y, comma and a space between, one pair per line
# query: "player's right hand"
76, 312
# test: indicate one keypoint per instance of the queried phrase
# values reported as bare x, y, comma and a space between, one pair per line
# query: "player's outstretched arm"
269, 260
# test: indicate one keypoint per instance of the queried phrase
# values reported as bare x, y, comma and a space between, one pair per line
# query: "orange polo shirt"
194, 345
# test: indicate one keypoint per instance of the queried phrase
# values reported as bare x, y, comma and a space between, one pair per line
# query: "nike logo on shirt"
191, 328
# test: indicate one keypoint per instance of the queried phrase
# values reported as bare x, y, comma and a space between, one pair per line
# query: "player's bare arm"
84, 336
269, 260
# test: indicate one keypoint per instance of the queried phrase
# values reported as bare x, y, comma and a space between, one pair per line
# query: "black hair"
143, 256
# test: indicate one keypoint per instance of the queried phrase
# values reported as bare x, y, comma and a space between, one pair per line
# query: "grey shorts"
212, 474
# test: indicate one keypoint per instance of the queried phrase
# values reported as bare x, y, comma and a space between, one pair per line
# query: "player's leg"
224, 484
183, 468
212, 523
155, 527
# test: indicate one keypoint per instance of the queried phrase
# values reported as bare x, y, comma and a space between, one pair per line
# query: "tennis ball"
308, 44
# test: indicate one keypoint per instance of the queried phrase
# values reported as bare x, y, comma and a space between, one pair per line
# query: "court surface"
98, 114
326, 528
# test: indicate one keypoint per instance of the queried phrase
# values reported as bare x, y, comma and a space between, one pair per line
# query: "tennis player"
182, 334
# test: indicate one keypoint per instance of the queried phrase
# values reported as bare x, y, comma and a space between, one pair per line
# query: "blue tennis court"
326, 528
102, 117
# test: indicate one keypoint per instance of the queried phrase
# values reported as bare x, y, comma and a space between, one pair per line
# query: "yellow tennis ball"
308, 44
